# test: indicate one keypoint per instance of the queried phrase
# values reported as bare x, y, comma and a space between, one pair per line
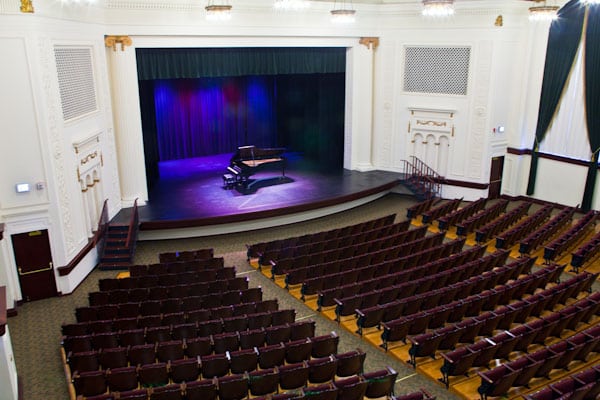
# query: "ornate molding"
112, 41
370, 41
57, 145
431, 123
27, 6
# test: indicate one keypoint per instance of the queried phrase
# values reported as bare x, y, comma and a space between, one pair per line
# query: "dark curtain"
311, 116
199, 117
148, 112
592, 100
176, 63
563, 42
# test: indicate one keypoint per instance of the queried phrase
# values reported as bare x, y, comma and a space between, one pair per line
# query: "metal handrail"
133, 226
420, 171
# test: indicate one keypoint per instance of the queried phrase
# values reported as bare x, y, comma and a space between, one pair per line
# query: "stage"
190, 199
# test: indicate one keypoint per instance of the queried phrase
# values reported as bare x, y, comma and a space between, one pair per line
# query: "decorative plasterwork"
89, 154
112, 41
428, 120
26, 6
56, 143
149, 5
370, 42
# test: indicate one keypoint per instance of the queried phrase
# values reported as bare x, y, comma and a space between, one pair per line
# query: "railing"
133, 228
420, 172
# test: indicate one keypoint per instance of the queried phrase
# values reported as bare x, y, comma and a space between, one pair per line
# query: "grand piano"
249, 160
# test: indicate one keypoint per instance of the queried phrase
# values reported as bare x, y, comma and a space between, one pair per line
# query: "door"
34, 265
496, 177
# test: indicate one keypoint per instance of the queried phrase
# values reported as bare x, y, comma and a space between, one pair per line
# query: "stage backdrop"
198, 102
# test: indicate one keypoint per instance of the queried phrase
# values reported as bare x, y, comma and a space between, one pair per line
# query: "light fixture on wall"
343, 12
218, 10
543, 12
438, 8
291, 4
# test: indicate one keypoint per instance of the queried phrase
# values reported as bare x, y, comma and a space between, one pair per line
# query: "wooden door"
496, 177
34, 265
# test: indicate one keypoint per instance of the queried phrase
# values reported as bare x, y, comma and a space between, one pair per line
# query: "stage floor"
190, 192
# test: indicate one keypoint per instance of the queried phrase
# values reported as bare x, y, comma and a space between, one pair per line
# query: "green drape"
563, 42
592, 99
182, 63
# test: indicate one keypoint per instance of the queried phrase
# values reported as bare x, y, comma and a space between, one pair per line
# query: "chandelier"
438, 8
291, 4
218, 10
544, 13
343, 12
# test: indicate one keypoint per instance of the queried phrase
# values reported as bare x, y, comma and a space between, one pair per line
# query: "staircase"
119, 244
422, 180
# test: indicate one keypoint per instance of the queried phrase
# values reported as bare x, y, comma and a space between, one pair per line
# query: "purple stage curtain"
199, 117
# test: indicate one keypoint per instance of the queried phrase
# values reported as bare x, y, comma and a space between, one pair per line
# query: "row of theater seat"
170, 288
255, 250
149, 281
560, 244
457, 216
481, 218
397, 230
498, 225
169, 305
471, 306
266, 355
291, 378
346, 263
586, 252
499, 346
392, 247
439, 211
298, 274
187, 255
388, 273
225, 313
176, 267
446, 338
519, 372
583, 384
444, 291
539, 236
508, 238
420, 208
221, 339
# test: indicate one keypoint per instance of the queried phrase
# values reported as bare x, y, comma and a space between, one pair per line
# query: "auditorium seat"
167, 392
380, 383
169, 350
113, 358
205, 389
83, 361
242, 361
350, 363
326, 391
151, 375
252, 338
324, 345
293, 375
199, 346
232, 387
122, 379
141, 354
352, 388
271, 355
184, 369
321, 370
214, 365
263, 382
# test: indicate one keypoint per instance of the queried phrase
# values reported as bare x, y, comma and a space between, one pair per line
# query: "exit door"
34, 265
496, 177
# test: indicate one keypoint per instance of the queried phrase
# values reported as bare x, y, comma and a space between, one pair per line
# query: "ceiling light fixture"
291, 4
343, 12
218, 10
543, 13
438, 8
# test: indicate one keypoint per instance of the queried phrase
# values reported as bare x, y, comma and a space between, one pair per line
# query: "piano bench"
229, 181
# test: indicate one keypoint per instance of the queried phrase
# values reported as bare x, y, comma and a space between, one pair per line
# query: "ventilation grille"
75, 81
442, 70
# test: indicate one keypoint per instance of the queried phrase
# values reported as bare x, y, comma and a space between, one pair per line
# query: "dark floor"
191, 191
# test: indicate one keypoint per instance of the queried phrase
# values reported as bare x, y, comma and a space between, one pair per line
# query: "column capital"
112, 40
369, 41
